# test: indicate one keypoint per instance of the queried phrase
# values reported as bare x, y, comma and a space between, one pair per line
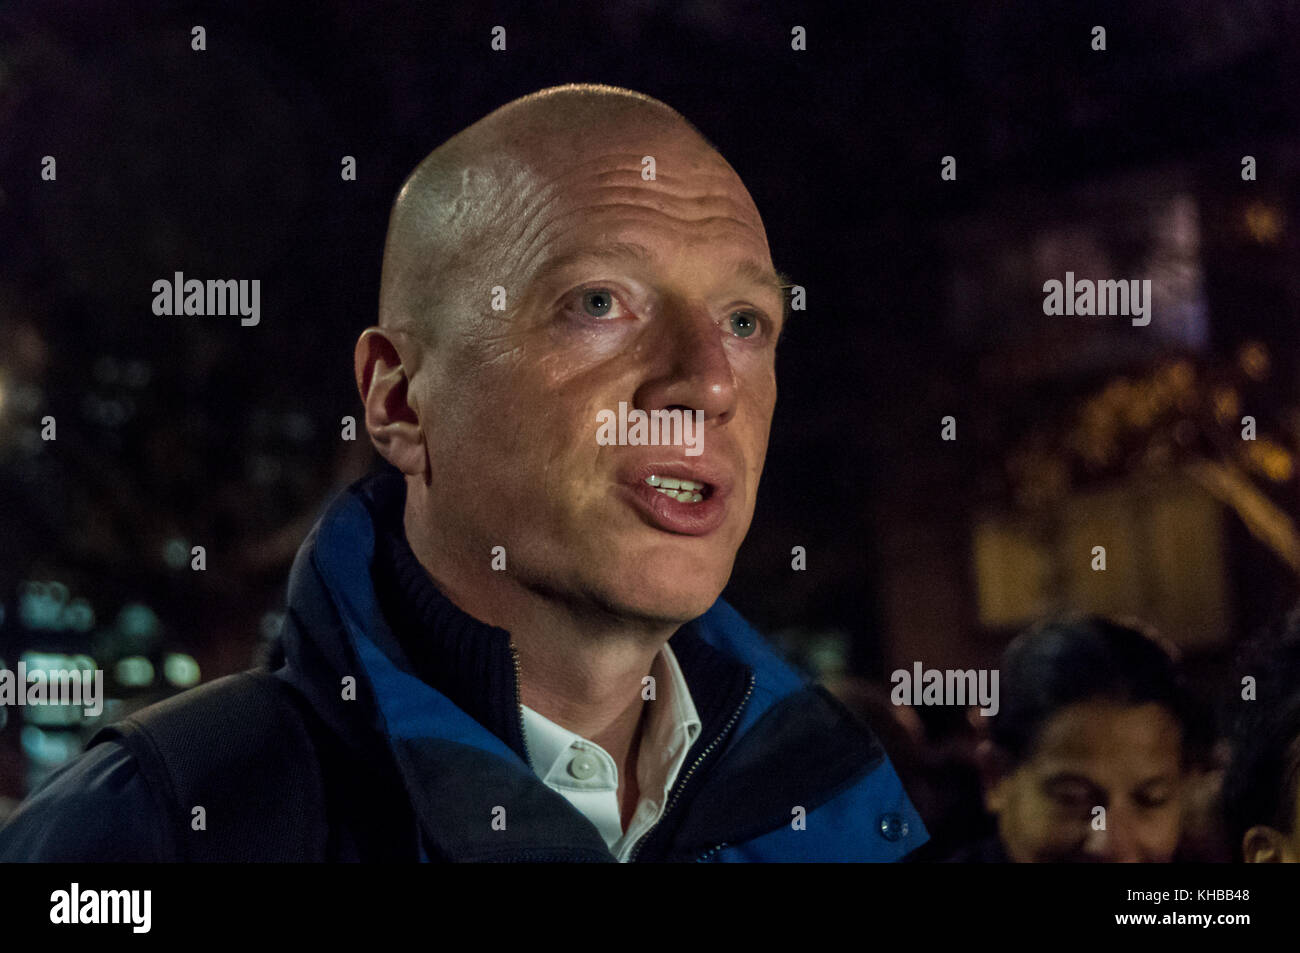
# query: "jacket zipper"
519, 705
682, 781
709, 853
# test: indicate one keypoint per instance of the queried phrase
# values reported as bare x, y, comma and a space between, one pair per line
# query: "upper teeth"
671, 484
683, 491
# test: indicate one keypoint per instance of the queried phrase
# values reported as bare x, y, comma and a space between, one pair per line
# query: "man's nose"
692, 369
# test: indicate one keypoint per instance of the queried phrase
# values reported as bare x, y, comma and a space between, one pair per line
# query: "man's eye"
597, 303
743, 324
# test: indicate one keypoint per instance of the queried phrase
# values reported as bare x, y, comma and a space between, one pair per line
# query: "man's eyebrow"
613, 251
761, 275
746, 268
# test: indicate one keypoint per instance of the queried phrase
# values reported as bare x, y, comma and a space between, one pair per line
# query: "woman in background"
1086, 759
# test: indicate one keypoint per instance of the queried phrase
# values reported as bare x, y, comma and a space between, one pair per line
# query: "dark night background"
924, 300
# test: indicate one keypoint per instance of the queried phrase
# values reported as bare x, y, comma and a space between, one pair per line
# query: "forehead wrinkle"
669, 200
706, 185
544, 235
522, 218
685, 189
714, 168
581, 181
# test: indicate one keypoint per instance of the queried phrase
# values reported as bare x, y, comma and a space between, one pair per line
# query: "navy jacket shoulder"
97, 808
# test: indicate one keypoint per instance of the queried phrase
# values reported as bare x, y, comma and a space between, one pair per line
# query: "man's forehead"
635, 171
608, 204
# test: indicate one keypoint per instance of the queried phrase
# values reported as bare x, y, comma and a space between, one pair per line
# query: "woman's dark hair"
1077, 659
1261, 783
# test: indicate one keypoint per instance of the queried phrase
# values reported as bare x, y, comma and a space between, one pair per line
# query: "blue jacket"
419, 760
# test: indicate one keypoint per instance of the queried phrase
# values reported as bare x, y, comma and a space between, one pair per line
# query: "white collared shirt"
584, 774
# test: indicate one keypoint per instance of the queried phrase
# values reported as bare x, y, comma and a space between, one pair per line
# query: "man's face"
656, 293
1124, 758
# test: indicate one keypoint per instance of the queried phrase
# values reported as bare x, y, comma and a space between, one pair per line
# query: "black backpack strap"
239, 748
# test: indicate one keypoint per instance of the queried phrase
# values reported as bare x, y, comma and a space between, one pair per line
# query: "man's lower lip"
663, 512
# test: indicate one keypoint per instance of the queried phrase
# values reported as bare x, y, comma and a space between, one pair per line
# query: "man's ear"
392, 419
1266, 845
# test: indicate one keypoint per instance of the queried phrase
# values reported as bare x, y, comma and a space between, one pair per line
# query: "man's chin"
669, 600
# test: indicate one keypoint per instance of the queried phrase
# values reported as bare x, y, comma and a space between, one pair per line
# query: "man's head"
1092, 716
577, 248
1261, 788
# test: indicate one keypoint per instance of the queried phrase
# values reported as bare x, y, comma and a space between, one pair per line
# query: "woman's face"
1103, 782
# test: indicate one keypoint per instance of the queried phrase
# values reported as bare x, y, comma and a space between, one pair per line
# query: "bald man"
508, 643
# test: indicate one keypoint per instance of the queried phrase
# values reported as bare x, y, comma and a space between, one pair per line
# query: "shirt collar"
672, 724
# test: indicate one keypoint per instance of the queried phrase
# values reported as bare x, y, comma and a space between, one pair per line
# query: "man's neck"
581, 670
595, 694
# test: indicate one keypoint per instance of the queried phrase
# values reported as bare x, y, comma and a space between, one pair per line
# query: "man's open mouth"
671, 496
683, 491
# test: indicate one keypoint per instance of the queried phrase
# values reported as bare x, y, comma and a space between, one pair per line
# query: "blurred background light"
134, 671
180, 670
